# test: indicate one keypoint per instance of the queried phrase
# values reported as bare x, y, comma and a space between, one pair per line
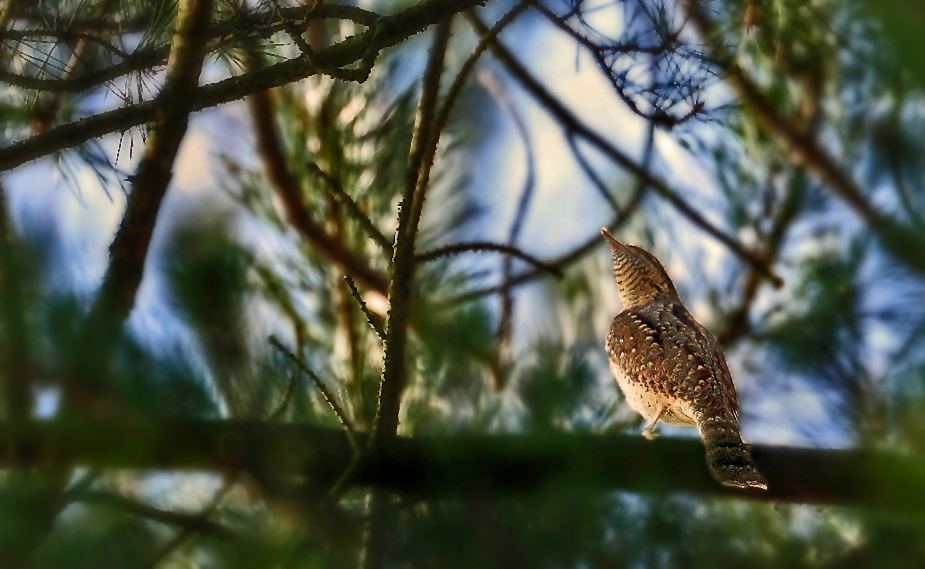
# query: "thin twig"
218, 36
488, 246
352, 208
374, 320
456, 88
328, 396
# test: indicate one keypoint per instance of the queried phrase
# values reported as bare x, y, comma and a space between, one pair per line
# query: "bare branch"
572, 124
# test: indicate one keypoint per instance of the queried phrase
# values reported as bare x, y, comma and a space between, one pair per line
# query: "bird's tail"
727, 456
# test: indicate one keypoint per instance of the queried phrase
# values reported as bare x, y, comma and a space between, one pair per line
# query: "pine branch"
487, 246
328, 396
130, 247
391, 386
290, 193
424, 145
388, 31
219, 35
374, 320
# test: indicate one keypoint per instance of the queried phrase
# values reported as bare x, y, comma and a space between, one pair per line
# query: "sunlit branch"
394, 368
423, 148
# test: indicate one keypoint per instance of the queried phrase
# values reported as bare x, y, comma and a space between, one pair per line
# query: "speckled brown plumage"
671, 368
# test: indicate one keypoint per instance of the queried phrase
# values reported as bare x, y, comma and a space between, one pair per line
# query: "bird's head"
641, 278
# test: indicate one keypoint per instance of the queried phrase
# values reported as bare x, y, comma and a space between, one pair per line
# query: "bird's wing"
664, 347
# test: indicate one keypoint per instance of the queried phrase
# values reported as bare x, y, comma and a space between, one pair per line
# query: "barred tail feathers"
727, 456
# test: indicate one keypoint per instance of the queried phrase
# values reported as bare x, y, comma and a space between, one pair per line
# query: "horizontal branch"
480, 246
453, 466
264, 23
387, 32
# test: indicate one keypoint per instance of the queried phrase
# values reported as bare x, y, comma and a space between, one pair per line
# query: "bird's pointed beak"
614, 244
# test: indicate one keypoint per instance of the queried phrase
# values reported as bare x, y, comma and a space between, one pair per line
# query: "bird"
671, 368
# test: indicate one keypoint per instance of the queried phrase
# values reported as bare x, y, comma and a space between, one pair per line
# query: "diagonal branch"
290, 192
352, 208
130, 246
571, 124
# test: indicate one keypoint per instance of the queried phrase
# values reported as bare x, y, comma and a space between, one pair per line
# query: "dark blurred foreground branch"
454, 466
